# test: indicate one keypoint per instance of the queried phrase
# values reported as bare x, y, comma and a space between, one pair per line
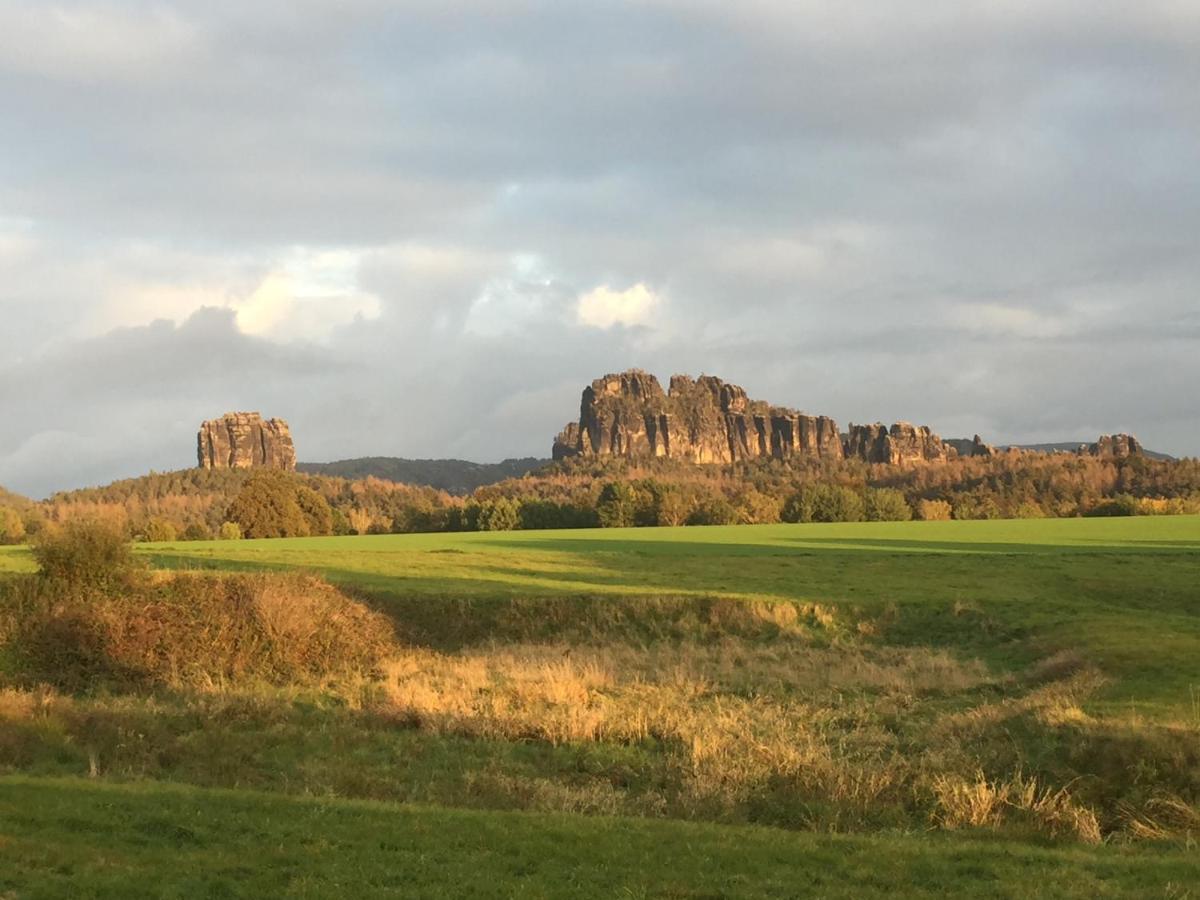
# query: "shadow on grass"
788, 546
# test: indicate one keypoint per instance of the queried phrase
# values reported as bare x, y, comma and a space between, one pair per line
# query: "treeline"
199, 504
202, 504
615, 492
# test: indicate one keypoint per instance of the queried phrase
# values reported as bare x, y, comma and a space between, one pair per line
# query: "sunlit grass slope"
920, 709
1123, 591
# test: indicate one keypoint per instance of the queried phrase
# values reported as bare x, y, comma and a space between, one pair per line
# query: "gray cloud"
377, 219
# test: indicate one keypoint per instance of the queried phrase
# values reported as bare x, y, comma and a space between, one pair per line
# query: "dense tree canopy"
197, 504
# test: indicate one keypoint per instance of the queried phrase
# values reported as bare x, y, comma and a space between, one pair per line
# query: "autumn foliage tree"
274, 504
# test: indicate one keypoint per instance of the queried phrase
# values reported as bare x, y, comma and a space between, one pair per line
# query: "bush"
86, 556
316, 510
617, 505
836, 503
12, 526
536, 513
713, 511
757, 508
499, 515
1028, 509
159, 531
967, 506
230, 531
798, 507
886, 505
201, 630
934, 510
268, 507
341, 524
196, 532
824, 503
673, 507
1120, 505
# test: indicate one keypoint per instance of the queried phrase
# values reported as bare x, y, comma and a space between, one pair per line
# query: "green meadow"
1124, 591
985, 708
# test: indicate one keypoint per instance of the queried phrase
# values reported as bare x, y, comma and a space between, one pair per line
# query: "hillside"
199, 499
846, 708
454, 476
14, 501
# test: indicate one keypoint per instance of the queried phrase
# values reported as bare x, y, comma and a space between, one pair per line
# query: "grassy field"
989, 708
1124, 591
68, 838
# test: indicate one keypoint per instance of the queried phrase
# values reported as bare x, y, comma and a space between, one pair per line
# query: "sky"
420, 228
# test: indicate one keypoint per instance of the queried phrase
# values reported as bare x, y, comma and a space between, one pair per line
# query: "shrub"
836, 503
934, 510
205, 630
499, 515
158, 531
798, 507
316, 510
886, 505
536, 513
420, 515
824, 503
85, 556
713, 511
1028, 509
230, 531
967, 506
12, 526
267, 507
673, 507
341, 524
617, 505
757, 508
1120, 505
196, 531
360, 520
467, 517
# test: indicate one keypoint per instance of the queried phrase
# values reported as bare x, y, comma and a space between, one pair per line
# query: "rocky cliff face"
245, 441
979, 448
566, 444
1113, 446
901, 444
707, 420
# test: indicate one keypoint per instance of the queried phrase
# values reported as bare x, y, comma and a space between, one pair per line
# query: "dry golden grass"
201, 631
740, 720
978, 802
721, 709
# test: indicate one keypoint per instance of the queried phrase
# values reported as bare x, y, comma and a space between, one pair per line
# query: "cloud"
307, 298
603, 307
416, 230
90, 43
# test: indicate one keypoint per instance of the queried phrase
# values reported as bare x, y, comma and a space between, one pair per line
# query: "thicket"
93, 616
198, 504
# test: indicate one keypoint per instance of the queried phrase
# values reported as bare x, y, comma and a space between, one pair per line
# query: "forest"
196, 504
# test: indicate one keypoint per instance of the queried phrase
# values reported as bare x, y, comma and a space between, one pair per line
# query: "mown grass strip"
71, 838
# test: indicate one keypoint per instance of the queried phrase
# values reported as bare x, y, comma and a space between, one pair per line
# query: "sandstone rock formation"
703, 420
707, 420
566, 444
901, 444
1113, 446
979, 448
244, 441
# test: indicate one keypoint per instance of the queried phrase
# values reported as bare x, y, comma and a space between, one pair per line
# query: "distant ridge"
455, 476
1059, 447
